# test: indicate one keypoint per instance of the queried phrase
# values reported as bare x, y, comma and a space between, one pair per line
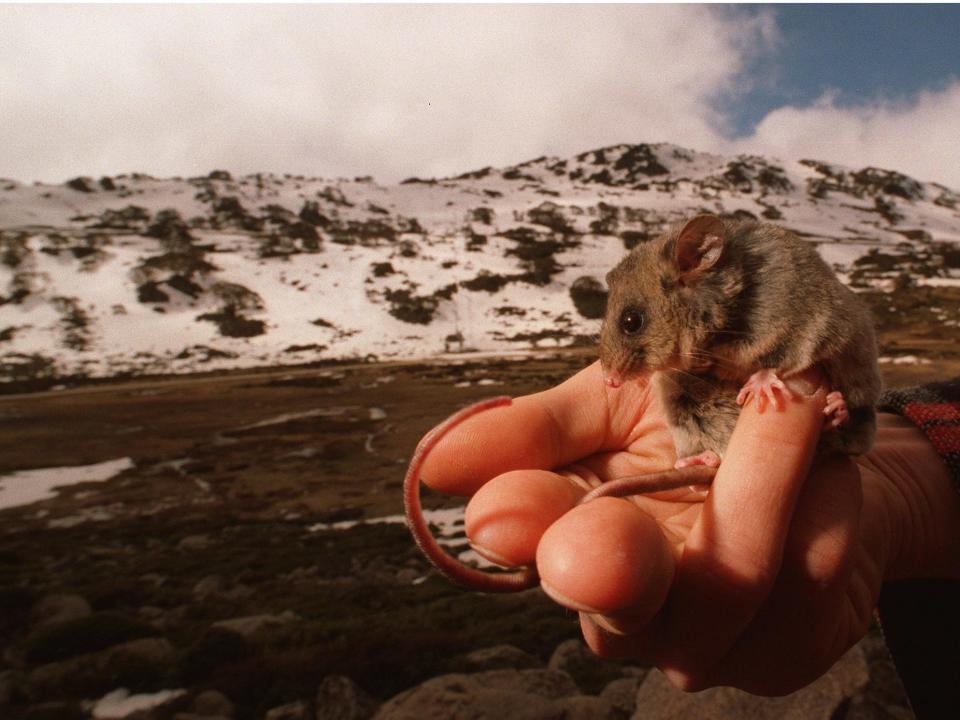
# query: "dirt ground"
216, 519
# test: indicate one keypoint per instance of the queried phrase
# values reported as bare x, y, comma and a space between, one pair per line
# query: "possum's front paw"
835, 411
763, 385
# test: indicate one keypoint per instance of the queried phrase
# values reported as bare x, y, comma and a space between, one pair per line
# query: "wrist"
915, 498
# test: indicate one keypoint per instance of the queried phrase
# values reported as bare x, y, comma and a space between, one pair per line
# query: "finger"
611, 642
607, 557
506, 518
546, 430
809, 614
733, 553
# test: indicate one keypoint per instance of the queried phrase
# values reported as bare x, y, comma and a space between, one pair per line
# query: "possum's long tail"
464, 575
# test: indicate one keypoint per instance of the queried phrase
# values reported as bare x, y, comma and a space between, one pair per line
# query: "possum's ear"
699, 245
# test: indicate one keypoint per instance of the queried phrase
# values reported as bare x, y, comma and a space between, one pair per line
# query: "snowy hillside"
131, 274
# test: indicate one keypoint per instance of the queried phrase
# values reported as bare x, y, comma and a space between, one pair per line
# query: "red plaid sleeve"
919, 616
935, 409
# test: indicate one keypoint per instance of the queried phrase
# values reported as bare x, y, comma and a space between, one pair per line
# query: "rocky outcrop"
148, 662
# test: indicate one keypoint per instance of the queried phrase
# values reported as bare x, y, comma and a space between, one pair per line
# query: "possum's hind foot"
835, 411
763, 385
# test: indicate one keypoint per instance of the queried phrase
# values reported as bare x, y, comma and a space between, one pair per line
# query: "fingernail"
604, 624
568, 602
492, 556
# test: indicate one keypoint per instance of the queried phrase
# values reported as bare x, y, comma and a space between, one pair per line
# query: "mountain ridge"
129, 274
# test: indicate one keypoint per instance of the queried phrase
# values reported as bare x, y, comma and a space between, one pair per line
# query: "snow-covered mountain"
132, 274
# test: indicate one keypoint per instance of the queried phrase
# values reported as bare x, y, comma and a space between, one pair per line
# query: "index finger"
733, 554
545, 430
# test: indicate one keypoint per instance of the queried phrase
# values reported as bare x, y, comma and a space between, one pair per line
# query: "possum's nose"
612, 378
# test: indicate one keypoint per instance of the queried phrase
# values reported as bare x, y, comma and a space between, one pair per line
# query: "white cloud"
919, 138
395, 91
392, 91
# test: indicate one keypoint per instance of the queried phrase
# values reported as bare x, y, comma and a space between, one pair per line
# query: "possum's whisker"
706, 355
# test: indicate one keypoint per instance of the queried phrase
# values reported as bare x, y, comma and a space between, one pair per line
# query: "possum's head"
661, 308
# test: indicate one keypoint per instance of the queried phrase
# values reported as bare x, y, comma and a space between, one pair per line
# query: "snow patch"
29, 486
449, 531
121, 704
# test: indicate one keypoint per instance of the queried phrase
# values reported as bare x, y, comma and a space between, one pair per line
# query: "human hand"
762, 583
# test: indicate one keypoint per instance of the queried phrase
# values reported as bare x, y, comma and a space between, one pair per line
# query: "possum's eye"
631, 321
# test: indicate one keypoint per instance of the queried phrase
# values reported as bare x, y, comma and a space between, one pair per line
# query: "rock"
194, 542
237, 592
83, 635
883, 697
81, 184
621, 696
208, 586
8, 687
589, 296
501, 656
216, 646
54, 711
291, 711
657, 699
252, 626
518, 694
339, 698
407, 576
147, 662
585, 707
55, 609
212, 703
150, 614
590, 672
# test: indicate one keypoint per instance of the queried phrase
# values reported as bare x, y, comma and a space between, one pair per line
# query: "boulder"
339, 698
100, 630
589, 296
533, 694
621, 696
54, 711
590, 672
501, 656
212, 703
55, 609
8, 687
255, 626
585, 707
209, 585
139, 664
298, 710
657, 699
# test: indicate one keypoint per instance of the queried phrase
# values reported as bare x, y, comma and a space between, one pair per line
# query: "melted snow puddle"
29, 486
449, 532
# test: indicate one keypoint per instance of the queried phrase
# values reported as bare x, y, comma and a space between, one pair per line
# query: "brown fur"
768, 300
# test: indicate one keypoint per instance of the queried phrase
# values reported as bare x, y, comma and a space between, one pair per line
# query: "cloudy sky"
399, 91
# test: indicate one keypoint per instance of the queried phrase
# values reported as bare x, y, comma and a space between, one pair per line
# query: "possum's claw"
763, 385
